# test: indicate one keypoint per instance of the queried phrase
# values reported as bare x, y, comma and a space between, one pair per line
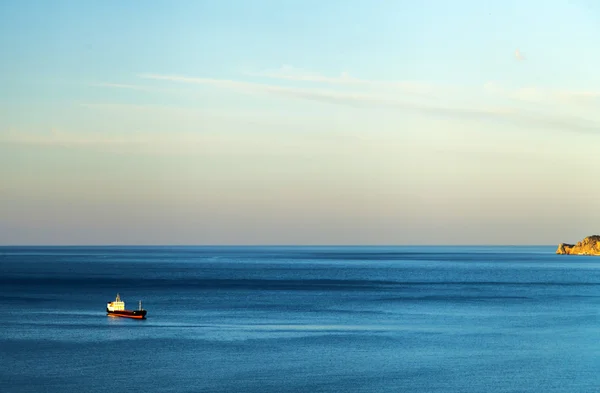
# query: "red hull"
138, 314
127, 316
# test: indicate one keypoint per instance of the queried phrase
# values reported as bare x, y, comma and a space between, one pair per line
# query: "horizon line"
277, 245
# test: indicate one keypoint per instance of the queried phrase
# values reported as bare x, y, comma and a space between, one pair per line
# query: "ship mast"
140, 304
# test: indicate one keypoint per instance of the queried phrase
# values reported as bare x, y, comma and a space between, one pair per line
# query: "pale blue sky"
299, 122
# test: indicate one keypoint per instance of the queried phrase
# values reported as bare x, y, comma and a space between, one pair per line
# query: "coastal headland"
588, 246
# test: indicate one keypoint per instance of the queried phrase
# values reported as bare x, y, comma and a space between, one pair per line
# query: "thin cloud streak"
547, 96
553, 121
296, 74
299, 75
187, 143
60, 138
294, 92
121, 86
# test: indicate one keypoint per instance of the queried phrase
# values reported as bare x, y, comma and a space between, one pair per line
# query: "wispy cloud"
547, 96
323, 95
448, 106
296, 74
61, 138
116, 142
122, 86
299, 75
138, 108
236, 143
430, 100
376, 98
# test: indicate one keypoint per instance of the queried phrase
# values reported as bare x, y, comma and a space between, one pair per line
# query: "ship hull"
136, 314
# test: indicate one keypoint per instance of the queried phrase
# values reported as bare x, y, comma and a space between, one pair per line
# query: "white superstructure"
117, 305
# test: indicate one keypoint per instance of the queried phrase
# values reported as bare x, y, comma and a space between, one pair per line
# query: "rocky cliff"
588, 246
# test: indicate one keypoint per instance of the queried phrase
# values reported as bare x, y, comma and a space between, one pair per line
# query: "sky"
299, 122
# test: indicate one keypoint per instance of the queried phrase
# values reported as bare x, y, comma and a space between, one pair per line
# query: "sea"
300, 319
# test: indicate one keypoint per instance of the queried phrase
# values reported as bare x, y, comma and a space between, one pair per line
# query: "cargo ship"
116, 308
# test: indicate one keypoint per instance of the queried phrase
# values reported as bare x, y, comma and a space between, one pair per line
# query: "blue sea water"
300, 319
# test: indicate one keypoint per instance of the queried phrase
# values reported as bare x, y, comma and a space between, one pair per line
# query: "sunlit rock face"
588, 246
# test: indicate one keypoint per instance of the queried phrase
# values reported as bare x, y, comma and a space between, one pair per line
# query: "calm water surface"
300, 319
